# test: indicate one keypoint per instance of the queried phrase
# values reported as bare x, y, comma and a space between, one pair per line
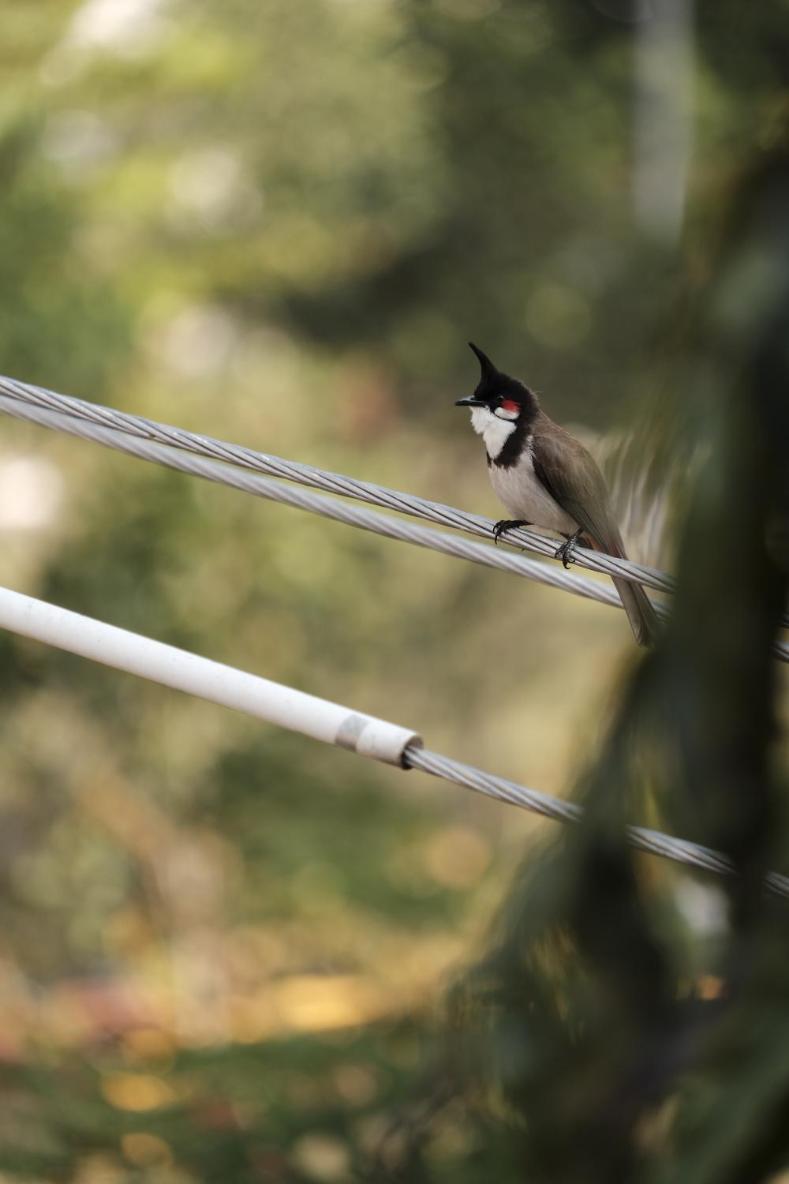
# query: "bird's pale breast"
524, 495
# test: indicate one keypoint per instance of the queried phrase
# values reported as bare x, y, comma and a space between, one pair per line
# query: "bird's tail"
643, 619
640, 613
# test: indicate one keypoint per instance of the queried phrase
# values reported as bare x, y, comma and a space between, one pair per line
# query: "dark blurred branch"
576, 1014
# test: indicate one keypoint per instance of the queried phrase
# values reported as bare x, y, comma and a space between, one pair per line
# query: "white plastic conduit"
314, 717
183, 671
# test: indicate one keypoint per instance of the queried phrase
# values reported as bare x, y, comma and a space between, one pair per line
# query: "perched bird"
546, 478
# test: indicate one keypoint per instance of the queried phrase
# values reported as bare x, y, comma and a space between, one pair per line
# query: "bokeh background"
222, 947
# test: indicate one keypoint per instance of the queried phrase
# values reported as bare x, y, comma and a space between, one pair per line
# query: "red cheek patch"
510, 405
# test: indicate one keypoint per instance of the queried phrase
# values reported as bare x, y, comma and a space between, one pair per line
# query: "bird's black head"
501, 395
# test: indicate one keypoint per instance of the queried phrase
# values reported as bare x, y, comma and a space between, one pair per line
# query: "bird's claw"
567, 550
505, 524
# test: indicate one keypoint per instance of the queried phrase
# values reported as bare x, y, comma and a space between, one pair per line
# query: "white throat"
494, 429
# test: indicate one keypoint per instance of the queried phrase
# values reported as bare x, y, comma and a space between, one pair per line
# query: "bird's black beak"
470, 401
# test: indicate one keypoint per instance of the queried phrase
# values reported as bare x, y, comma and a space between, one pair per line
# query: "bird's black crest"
489, 371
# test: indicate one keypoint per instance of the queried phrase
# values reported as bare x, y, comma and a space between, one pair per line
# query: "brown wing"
572, 478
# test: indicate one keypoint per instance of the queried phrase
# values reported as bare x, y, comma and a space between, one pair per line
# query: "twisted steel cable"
305, 499
234, 465
652, 841
241, 468
321, 719
338, 483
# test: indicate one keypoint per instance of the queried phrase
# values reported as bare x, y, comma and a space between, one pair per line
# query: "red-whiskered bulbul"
546, 478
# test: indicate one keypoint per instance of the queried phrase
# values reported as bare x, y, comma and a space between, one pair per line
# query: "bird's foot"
505, 524
567, 550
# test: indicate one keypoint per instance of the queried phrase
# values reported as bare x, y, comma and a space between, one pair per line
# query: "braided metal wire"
338, 483
353, 515
204, 457
644, 839
171, 446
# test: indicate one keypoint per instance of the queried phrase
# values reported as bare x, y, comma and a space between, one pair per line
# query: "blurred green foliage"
278, 224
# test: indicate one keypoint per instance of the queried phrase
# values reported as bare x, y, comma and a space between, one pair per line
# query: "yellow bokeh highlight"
149, 1044
456, 857
322, 1157
137, 1092
145, 1150
308, 1003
